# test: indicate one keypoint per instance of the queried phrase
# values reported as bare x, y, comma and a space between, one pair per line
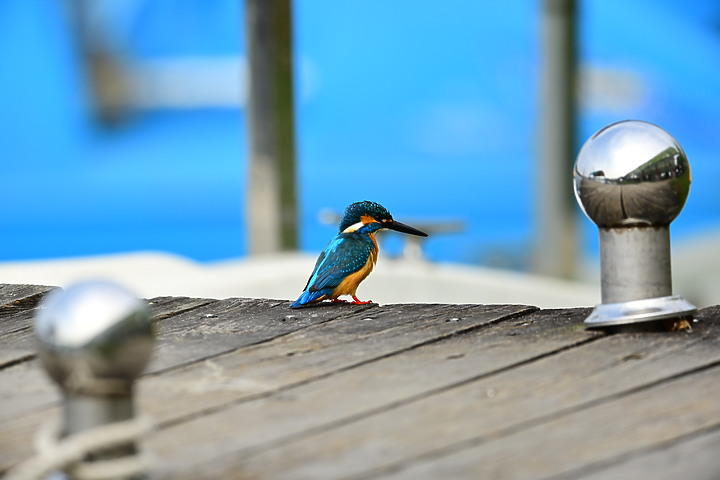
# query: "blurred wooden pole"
108, 80
271, 191
556, 248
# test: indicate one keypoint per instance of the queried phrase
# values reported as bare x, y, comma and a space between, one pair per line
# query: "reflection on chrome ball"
632, 173
94, 335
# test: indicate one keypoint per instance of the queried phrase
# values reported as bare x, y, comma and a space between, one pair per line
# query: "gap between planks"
277, 348
690, 456
674, 356
334, 313
547, 419
515, 347
583, 441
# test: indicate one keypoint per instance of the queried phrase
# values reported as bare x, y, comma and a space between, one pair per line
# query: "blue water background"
430, 108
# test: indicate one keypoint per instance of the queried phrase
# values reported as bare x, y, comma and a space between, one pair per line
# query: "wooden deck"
247, 388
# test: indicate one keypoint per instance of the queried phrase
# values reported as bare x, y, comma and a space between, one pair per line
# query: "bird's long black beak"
401, 227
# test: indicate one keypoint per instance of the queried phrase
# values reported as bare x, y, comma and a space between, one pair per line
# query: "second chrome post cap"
94, 337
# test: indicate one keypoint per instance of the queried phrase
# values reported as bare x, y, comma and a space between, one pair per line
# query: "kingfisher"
351, 254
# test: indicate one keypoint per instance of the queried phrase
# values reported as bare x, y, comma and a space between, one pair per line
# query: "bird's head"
360, 214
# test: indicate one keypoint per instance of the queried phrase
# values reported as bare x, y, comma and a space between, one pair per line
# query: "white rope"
68, 453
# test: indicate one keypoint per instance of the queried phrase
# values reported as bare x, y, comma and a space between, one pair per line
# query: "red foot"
357, 301
337, 300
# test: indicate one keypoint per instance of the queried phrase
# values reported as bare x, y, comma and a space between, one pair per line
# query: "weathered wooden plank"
27, 396
695, 456
317, 430
403, 391
162, 308
567, 445
368, 388
312, 353
23, 383
22, 294
297, 357
18, 436
18, 345
226, 325
15, 301
202, 329
25, 388
672, 359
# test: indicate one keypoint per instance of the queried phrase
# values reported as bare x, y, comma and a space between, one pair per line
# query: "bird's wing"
344, 255
318, 262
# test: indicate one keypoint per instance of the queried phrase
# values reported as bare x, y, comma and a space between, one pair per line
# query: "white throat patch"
354, 227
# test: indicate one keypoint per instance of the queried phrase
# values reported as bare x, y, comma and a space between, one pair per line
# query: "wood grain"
15, 302
297, 439
249, 388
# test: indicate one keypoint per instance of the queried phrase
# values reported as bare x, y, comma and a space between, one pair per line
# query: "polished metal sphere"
94, 337
632, 173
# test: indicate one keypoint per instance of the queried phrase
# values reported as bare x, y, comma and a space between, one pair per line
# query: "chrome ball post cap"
632, 179
632, 173
94, 337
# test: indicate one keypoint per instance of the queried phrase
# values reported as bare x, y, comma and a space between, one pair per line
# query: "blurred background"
123, 126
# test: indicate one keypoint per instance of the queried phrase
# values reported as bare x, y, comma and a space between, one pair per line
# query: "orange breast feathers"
350, 283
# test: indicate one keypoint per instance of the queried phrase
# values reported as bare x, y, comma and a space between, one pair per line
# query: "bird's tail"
307, 297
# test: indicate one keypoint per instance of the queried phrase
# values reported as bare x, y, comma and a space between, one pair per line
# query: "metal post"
632, 179
635, 263
555, 252
271, 192
94, 339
